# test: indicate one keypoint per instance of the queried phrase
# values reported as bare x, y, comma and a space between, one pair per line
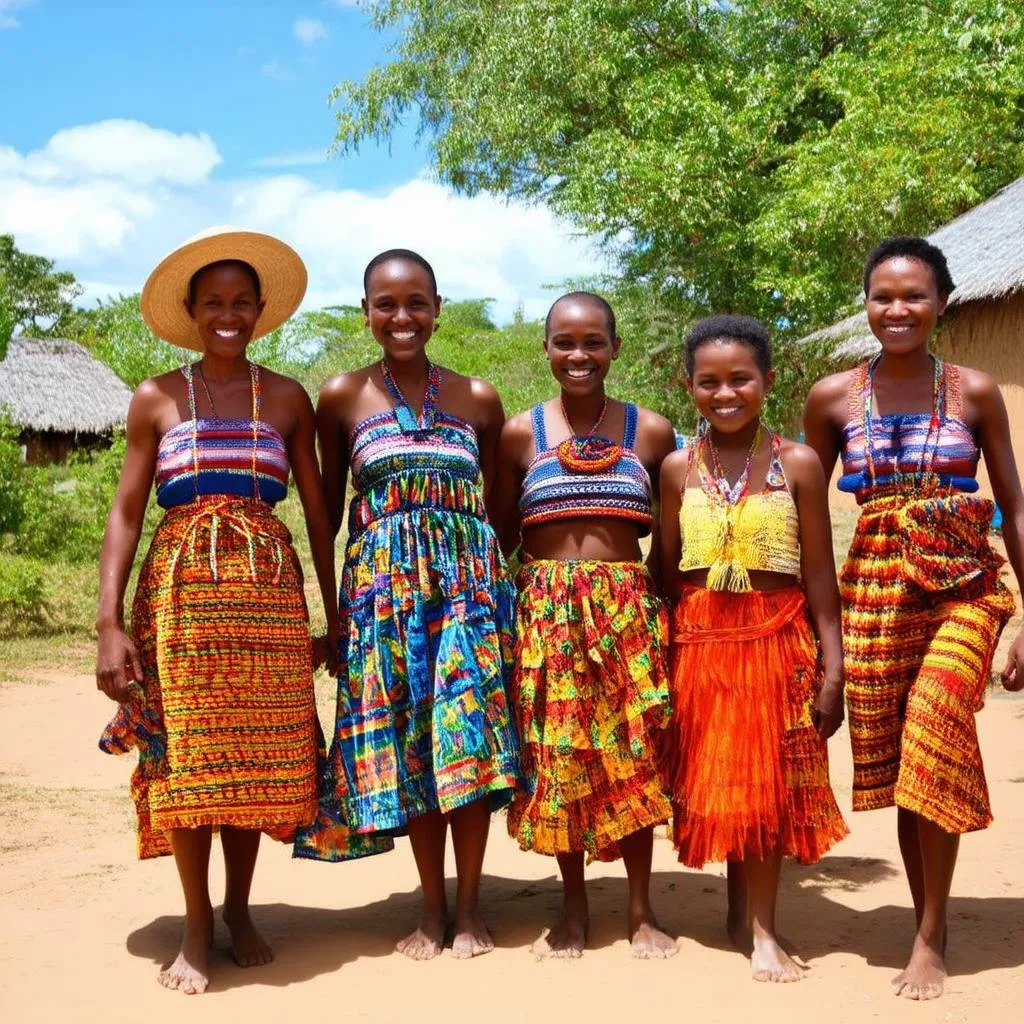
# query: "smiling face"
728, 385
400, 307
225, 308
903, 304
580, 345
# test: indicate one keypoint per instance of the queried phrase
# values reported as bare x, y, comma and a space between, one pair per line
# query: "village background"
742, 158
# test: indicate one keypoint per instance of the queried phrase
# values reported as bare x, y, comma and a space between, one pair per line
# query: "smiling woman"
214, 681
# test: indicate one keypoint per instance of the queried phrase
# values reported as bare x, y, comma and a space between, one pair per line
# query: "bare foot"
924, 976
567, 938
649, 942
739, 933
190, 972
770, 962
471, 935
248, 947
426, 941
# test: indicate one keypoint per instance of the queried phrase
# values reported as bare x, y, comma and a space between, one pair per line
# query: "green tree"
736, 156
33, 297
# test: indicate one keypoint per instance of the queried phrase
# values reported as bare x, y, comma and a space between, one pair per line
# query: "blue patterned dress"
427, 612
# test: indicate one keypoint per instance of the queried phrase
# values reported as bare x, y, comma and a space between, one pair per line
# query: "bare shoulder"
517, 436
832, 387
976, 385
675, 465
482, 391
281, 385
799, 458
344, 386
654, 423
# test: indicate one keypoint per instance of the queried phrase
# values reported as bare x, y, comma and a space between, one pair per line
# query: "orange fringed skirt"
746, 771
590, 694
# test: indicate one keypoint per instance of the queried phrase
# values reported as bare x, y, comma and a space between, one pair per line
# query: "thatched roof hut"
60, 396
984, 323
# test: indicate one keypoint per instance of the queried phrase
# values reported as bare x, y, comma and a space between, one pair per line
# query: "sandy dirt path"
85, 926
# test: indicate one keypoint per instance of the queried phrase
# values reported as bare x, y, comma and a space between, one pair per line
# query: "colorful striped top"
552, 491
243, 457
399, 467
908, 449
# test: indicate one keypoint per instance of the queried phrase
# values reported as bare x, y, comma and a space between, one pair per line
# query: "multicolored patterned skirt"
590, 691
923, 608
225, 722
423, 721
746, 770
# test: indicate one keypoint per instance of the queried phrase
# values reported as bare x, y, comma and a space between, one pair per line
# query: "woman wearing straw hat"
215, 678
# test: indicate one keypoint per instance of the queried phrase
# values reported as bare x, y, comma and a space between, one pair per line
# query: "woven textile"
225, 722
746, 771
553, 492
422, 720
923, 608
590, 691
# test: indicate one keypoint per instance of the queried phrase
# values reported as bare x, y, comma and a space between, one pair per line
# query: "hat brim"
280, 269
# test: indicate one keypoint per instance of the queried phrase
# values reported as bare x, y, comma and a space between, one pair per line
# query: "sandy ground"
85, 926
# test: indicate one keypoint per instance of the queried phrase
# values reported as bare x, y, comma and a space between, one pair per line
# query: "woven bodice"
242, 457
759, 533
397, 469
908, 451
553, 491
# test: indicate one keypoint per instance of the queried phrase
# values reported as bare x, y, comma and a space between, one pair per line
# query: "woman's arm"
332, 433
993, 432
672, 480
117, 661
301, 444
658, 441
503, 499
817, 568
821, 431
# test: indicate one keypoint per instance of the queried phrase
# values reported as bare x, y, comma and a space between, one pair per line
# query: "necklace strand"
731, 494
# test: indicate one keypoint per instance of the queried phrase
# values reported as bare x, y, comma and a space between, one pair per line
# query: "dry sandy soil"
85, 927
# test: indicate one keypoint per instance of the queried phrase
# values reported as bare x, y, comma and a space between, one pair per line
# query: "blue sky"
127, 126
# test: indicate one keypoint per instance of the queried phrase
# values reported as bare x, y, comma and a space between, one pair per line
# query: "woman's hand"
827, 713
1013, 672
117, 664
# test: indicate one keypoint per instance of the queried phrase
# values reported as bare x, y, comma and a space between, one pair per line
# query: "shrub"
23, 608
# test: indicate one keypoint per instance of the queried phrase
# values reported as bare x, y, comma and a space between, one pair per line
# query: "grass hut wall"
60, 397
984, 322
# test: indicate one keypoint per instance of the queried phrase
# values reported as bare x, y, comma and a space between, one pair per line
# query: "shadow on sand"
310, 941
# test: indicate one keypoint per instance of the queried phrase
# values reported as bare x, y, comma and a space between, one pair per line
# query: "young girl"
744, 519
423, 734
590, 684
215, 680
923, 605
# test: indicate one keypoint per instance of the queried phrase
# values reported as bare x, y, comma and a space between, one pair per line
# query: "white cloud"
298, 158
111, 228
7, 20
276, 70
309, 31
128, 150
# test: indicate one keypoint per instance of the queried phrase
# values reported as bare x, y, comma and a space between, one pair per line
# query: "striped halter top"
908, 451
242, 457
553, 492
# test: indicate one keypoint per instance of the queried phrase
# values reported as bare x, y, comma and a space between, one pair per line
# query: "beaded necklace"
587, 453
407, 419
927, 458
716, 483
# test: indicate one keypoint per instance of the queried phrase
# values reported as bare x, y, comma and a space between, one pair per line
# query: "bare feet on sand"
925, 974
471, 935
427, 940
770, 962
568, 937
248, 947
647, 940
190, 972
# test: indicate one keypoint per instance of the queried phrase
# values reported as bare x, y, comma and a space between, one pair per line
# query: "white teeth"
579, 373
403, 335
226, 334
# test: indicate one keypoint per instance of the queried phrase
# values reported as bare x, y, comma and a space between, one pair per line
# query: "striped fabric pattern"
552, 493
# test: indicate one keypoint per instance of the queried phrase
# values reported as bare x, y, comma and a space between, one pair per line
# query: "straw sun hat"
280, 269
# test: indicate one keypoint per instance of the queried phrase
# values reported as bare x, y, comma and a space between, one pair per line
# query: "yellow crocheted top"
761, 532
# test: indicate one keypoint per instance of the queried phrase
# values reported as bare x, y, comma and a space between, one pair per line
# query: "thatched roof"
55, 385
985, 251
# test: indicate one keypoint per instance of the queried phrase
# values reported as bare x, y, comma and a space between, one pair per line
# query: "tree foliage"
737, 156
34, 297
